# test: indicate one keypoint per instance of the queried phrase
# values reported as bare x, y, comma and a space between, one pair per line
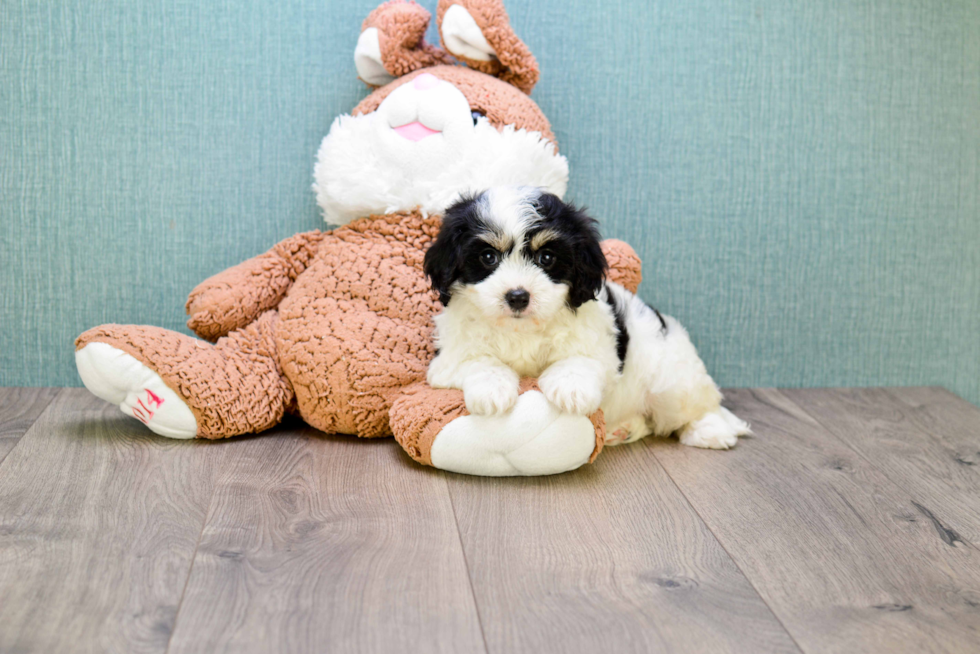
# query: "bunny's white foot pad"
120, 379
533, 438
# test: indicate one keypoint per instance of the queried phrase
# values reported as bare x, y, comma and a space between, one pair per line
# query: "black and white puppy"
522, 278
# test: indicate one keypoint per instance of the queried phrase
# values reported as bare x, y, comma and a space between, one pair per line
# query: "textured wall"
802, 178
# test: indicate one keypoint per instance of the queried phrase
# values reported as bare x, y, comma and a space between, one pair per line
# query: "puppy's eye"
489, 258
477, 115
546, 259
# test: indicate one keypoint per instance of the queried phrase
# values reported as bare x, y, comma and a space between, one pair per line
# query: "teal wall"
802, 178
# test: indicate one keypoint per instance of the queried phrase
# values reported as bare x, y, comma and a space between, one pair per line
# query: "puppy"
522, 277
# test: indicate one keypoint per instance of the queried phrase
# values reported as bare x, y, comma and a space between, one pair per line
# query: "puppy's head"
516, 252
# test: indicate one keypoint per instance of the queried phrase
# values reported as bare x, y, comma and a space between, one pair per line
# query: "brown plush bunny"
337, 326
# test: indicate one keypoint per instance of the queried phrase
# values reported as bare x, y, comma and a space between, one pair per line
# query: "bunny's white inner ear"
367, 59
462, 36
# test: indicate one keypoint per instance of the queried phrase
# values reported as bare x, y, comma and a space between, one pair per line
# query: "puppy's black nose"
517, 299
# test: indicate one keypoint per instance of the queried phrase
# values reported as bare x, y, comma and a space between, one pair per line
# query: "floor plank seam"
39, 415
731, 558
469, 576
190, 571
943, 530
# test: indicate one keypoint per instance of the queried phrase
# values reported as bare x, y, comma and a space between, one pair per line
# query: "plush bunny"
337, 326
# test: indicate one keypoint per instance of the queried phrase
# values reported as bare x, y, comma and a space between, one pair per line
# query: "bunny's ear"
392, 43
478, 33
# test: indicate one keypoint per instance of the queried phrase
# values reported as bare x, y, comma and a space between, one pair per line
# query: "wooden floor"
850, 522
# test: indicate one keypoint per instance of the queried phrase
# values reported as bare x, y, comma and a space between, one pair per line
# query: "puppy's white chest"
528, 354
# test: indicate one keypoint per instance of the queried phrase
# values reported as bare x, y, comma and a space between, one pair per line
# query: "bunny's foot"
182, 387
119, 378
533, 438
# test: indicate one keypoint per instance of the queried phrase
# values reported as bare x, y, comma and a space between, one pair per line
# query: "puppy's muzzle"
517, 299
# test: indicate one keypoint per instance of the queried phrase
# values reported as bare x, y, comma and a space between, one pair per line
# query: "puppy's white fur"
660, 387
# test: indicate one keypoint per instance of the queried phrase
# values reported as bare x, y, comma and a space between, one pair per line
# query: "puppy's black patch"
578, 258
663, 323
622, 334
455, 256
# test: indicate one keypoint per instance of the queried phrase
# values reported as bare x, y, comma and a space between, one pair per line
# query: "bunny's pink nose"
425, 81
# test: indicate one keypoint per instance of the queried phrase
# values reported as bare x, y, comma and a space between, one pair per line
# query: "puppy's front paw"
491, 391
572, 391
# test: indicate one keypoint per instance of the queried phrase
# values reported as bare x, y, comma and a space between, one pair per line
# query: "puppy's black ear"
444, 260
589, 267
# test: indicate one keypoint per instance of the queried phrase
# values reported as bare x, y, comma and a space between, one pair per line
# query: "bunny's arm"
235, 297
625, 268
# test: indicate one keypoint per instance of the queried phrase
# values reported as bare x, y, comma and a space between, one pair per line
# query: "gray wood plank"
19, 408
837, 550
610, 558
98, 524
949, 419
328, 543
925, 440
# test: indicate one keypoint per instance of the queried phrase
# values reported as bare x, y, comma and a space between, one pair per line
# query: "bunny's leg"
533, 438
182, 387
